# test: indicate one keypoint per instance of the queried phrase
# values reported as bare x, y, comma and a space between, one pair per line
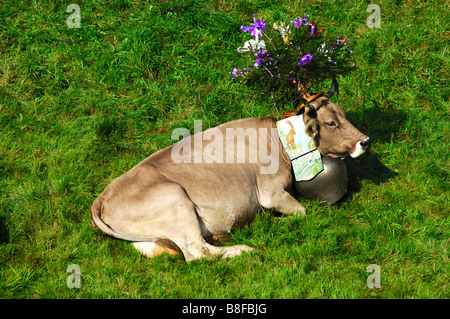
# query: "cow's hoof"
233, 251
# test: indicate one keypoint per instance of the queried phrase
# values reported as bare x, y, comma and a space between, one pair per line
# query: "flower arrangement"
289, 58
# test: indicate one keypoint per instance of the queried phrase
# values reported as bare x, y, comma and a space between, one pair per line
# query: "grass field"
81, 106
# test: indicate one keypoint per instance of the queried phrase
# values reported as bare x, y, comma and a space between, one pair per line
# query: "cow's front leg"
283, 202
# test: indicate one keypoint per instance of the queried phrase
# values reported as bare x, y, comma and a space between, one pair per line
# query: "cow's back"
225, 192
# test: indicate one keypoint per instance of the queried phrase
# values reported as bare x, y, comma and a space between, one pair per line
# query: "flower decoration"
256, 28
306, 59
287, 59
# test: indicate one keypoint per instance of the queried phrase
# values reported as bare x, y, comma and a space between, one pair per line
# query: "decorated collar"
300, 147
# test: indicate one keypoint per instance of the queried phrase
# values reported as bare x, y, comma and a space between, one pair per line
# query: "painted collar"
305, 157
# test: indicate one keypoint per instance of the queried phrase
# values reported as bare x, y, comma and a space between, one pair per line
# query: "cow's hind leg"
157, 247
174, 226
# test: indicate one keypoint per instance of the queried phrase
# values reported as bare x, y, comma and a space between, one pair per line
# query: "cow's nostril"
366, 143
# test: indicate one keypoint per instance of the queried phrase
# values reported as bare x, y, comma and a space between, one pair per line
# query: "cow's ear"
312, 128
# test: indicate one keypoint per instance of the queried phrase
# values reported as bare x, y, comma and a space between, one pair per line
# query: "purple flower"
252, 30
258, 62
237, 73
260, 24
298, 22
261, 53
255, 28
306, 59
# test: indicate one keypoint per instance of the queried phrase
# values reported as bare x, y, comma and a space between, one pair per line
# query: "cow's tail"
96, 212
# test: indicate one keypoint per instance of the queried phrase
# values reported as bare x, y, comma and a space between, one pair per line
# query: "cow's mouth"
360, 148
340, 156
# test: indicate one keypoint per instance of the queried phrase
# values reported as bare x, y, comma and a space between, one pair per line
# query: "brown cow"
209, 182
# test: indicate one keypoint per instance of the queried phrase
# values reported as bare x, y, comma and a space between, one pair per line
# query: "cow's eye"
330, 123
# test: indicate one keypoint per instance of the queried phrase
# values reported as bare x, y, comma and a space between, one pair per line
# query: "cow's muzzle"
361, 147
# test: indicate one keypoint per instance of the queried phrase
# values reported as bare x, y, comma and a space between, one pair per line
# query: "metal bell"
330, 185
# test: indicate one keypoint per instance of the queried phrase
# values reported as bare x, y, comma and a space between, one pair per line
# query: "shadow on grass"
4, 234
369, 167
381, 126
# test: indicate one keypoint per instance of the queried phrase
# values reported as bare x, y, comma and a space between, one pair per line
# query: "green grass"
80, 107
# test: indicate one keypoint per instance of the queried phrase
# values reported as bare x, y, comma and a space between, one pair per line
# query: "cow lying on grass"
209, 182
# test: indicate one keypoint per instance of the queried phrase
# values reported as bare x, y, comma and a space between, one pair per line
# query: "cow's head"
333, 134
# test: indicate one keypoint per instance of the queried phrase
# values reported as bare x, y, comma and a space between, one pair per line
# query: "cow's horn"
307, 99
309, 109
334, 88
